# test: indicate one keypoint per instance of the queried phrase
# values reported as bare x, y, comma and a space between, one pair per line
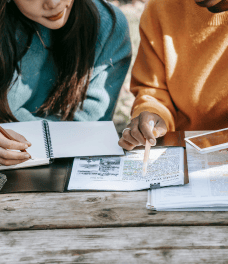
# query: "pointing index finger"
152, 140
147, 131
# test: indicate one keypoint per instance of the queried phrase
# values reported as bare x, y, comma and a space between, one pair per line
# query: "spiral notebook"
52, 140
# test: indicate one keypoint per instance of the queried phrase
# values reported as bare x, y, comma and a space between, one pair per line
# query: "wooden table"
106, 227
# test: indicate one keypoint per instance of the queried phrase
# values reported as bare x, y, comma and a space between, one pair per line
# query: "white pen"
147, 151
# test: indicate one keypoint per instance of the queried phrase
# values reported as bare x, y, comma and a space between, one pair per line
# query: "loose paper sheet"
166, 166
208, 184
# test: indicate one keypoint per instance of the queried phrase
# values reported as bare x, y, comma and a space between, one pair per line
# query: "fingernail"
29, 143
152, 142
151, 123
26, 146
27, 156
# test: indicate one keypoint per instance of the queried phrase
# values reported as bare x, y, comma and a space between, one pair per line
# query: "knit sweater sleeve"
112, 59
148, 82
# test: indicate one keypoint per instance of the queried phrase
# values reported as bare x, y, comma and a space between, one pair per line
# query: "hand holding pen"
9, 142
139, 130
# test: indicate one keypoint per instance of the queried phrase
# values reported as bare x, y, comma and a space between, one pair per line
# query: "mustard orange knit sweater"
181, 70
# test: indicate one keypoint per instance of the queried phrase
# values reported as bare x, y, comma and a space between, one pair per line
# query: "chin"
207, 3
213, 10
54, 27
214, 6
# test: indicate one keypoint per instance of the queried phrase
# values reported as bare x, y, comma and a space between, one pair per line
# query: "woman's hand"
139, 130
7, 154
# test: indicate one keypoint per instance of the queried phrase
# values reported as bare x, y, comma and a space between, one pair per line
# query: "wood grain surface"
116, 245
91, 210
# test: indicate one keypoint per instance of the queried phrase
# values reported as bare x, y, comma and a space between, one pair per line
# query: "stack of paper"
207, 188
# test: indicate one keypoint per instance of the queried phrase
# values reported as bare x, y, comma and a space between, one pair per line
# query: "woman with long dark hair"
59, 60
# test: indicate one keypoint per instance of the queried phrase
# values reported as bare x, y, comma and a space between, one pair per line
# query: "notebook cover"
172, 139
47, 178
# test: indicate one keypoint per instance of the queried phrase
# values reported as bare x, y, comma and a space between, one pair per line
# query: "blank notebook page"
33, 132
72, 139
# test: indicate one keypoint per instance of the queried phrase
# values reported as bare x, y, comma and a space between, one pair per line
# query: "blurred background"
132, 10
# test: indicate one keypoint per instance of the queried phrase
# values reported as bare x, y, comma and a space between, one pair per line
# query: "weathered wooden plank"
116, 245
92, 209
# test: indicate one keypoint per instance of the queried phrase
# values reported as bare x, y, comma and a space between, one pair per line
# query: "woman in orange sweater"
180, 76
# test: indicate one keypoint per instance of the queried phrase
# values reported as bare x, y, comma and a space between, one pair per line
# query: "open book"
165, 167
207, 189
52, 140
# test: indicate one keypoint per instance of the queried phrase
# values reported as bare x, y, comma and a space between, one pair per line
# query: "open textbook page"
124, 173
207, 188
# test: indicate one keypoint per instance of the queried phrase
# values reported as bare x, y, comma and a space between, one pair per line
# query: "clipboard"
47, 178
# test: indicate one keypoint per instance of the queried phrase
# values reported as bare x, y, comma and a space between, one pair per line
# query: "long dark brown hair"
73, 49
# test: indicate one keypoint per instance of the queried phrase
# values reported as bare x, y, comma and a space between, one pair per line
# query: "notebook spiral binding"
47, 140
